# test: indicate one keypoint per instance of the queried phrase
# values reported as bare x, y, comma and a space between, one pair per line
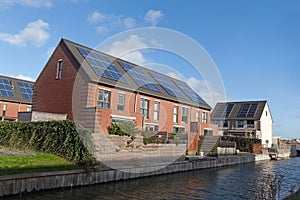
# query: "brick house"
97, 89
15, 96
250, 119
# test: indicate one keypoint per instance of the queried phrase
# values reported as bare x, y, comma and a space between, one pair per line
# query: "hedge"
66, 139
243, 144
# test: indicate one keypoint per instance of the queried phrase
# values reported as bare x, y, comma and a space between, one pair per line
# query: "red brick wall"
51, 95
12, 109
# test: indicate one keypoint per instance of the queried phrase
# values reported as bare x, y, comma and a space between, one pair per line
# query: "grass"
41, 162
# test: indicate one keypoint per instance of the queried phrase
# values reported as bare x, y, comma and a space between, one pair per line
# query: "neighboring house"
250, 119
15, 96
97, 89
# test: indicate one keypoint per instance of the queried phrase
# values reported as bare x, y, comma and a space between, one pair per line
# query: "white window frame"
104, 102
185, 115
175, 114
144, 109
204, 117
156, 109
121, 105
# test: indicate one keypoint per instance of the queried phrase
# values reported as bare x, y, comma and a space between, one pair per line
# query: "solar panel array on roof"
26, 89
248, 110
139, 76
223, 110
189, 92
167, 84
102, 65
6, 88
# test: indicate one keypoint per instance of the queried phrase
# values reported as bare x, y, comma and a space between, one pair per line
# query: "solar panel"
189, 92
26, 89
167, 84
139, 76
248, 110
102, 65
5, 88
223, 110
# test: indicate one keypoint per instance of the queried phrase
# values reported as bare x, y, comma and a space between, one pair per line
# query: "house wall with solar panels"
15, 96
251, 119
97, 89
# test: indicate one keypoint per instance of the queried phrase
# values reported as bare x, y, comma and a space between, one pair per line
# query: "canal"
234, 182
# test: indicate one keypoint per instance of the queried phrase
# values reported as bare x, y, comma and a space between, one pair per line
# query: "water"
234, 182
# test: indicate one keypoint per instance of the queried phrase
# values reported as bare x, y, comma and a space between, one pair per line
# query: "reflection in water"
235, 182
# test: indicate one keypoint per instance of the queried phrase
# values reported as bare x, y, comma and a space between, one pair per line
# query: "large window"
156, 110
144, 107
204, 117
103, 98
250, 123
208, 132
175, 116
121, 101
178, 130
240, 123
197, 116
59, 69
184, 117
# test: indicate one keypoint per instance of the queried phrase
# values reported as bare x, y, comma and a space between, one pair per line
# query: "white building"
250, 119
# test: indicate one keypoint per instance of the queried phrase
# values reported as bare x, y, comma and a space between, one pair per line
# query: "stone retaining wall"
17, 184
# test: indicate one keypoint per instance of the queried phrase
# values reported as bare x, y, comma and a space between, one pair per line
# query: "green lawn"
41, 162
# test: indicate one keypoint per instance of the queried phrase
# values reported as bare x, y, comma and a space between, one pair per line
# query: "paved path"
9, 152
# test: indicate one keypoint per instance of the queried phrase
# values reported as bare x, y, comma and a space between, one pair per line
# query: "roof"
122, 74
15, 90
251, 110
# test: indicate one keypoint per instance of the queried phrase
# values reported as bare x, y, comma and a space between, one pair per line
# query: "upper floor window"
204, 117
175, 115
240, 123
156, 110
250, 123
197, 116
59, 69
144, 107
121, 101
103, 98
184, 117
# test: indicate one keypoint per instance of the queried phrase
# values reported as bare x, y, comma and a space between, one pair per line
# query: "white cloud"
102, 29
202, 88
96, 17
35, 33
175, 75
129, 22
129, 49
24, 77
153, 16
32, 3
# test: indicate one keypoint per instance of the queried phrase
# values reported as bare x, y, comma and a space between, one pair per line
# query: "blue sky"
254, 44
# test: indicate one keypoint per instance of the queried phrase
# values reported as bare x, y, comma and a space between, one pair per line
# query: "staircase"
208, 144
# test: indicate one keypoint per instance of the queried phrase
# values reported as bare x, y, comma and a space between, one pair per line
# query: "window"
28, 109
175, 116
225, 124
184, 117
217, 122
204, 118
208, 132
59, 69
4, 110
240, 123
151, 128
156, 110
103, 98
266, 113
144, 107
197, 116
250, 123
178, 130
121, 101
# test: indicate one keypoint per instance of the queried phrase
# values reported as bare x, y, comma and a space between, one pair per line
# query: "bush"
66, 139
243, 144
123, 129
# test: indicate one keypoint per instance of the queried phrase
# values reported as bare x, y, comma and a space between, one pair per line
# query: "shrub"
243, 144
67, 139
123, 129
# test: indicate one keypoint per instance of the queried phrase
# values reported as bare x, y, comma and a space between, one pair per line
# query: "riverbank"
294, 196
18, 184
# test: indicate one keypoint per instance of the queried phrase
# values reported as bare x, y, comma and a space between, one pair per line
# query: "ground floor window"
178, 130
151, 127
208, 132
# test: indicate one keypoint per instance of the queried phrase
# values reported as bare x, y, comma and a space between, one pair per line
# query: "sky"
255, 45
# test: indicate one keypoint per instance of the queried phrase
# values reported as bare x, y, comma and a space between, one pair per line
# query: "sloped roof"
130, 84
251, 110
12, 90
